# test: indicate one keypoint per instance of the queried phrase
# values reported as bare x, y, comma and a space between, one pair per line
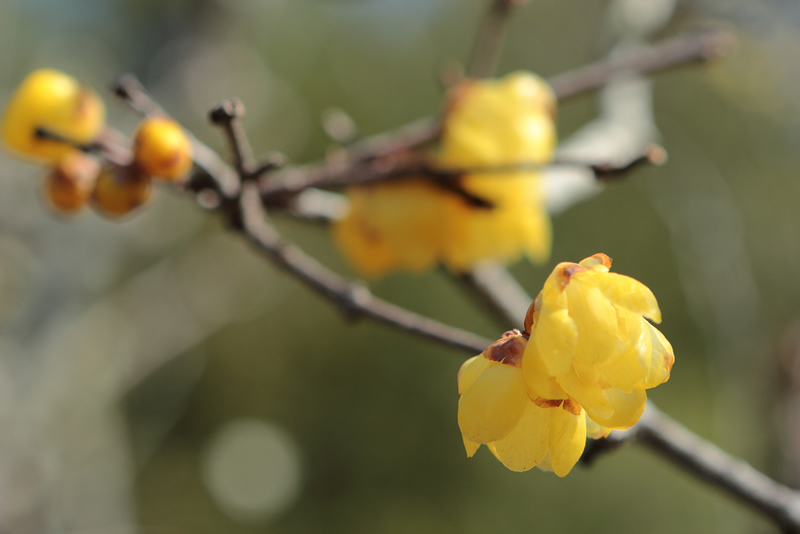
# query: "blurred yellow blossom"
411, 224
57, 103
588, 351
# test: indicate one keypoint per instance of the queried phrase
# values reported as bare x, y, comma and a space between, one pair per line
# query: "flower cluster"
581, 368
55, 121
495, 132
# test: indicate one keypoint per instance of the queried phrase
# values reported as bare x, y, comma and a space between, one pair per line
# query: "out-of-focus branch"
227, 115
386, 156
707, 462
696, 45
275, 192
490, 39
353, 299
497, 290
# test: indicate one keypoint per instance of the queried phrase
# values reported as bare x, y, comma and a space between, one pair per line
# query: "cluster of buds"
56, 122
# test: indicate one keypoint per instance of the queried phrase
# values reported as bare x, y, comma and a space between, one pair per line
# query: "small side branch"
707, 462
490, 39
700, 44
228, 115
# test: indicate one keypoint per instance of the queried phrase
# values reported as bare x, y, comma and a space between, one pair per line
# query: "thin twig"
490, 39
293, 181
707, 462
699, 44
228, 115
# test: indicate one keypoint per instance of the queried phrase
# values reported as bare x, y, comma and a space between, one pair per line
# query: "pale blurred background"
156, 376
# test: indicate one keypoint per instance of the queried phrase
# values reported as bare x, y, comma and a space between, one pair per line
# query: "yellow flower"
414, 223
590, 352
52, 101
496, 408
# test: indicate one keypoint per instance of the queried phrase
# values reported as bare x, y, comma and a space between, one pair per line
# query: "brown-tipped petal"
595, 260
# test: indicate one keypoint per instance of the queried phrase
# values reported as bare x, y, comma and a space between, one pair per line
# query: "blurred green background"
156, 376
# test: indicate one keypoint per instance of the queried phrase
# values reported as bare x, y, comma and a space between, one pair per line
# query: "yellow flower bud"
121, 190
56, 103
69, 186
162, 148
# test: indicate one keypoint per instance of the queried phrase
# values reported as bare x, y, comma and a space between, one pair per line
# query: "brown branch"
696, 45
359, 164
293, 181
491, 36
228, 116
699, 44
353, 299
707, 462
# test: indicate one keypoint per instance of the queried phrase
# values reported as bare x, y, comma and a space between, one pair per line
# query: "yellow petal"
627, 293
546, 464
597, 260
566, 440
537, 379
596, 321
628, 408
582, 383
658, 363
595, 431
556, 338
492, 407
527, 444
626, 370
470, 447
470, 371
